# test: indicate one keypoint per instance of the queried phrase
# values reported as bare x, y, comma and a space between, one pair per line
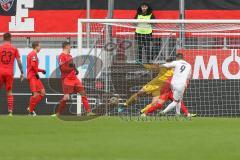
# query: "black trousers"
144, 42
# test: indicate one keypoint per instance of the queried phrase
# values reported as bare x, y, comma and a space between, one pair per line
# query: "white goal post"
212, 47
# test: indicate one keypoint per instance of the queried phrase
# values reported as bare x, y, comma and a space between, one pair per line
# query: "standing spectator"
143, 31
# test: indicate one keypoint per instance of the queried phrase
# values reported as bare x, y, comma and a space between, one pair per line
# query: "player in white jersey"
181, 76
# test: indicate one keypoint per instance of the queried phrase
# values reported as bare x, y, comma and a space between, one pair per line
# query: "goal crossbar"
169, 21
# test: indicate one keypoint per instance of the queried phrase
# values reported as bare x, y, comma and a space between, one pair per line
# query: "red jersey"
8, 54
64, 60
32, 65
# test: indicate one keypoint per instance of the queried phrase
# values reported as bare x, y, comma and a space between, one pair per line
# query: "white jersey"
182, 72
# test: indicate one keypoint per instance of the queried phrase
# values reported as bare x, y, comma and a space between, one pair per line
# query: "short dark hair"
35, 44
7, 36
64, 44
179, 56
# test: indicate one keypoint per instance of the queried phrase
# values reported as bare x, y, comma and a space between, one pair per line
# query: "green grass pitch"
110, 138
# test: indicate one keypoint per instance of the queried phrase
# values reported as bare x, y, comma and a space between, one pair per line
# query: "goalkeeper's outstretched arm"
152, 66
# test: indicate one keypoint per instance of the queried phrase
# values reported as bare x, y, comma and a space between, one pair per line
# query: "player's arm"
169, 65
34, 66
20, 66
157, 66
190, 75
42, 71
152, 66
72, 65
65, 66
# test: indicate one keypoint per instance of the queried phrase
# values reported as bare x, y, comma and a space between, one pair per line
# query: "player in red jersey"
8, 54
36, 86
70, 82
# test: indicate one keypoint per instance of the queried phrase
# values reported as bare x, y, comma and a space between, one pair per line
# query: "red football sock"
61, 106
154, 108
10, 103
38, 99
32, 103
34, 100
184, 109
86, 104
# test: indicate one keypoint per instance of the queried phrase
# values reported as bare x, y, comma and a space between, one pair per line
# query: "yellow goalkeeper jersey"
154, 86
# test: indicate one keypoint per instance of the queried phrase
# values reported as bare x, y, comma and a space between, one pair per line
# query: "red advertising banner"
60, 16
213, 63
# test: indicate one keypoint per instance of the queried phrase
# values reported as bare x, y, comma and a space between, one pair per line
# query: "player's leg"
183, 107
178, 108
162, 96
149, 107
158, 105
32, 103
170, 107
62, 104
131, 100
177, 97
185, 110
86, 103
165, 93
68, 88
10, 99
79, 88
134, 97
39, 97
151, 87
85, 100
38, 92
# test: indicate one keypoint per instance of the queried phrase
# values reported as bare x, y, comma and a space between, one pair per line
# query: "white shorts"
178, 91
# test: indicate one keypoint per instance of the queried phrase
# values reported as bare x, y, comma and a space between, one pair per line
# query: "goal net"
115, 54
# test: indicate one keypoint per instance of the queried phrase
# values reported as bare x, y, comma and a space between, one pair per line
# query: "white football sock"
178, 108
170, 107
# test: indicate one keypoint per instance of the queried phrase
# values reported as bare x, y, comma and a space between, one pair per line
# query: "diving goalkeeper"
153, 87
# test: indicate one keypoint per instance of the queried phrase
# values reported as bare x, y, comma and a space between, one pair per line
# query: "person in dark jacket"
143, 33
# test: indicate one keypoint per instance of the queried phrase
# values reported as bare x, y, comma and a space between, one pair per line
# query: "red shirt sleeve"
40, 70
17, 55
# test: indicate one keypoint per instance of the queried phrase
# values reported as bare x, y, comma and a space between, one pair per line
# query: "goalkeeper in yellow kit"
153, 87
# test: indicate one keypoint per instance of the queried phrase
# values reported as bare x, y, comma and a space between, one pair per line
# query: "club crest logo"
6, 4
